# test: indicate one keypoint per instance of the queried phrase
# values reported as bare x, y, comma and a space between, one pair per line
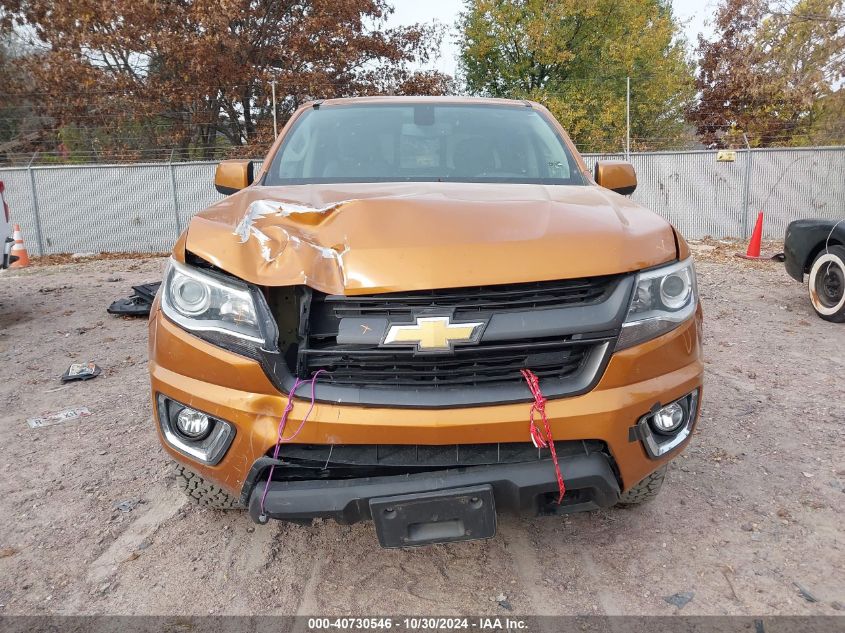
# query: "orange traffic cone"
753, 251
19, 250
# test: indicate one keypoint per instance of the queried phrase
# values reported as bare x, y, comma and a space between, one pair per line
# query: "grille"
468, 366
320, 332
485, 365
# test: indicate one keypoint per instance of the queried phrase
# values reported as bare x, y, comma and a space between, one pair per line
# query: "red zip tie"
537, 438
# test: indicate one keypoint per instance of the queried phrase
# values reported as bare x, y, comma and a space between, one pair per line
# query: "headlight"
204, 302
663, 299
189, 295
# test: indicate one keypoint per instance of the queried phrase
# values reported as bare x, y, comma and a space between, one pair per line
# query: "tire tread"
204, 493
644, 491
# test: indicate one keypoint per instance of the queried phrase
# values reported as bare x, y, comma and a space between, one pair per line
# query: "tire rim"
827, 284
830, 285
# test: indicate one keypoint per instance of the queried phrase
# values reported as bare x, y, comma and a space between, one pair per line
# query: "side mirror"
233, 175
616, 175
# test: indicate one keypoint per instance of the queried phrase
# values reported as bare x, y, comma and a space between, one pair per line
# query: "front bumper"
235, 388
590, 484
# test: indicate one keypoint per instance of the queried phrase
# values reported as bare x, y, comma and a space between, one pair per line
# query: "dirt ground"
750, 516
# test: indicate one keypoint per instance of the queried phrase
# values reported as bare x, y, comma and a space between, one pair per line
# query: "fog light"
668, 419
194, 433
667, 428
192, 424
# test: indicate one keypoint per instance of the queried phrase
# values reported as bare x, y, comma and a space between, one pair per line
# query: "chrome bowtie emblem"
433, 334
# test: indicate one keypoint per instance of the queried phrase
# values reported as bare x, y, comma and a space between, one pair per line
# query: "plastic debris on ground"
127, 505
139, 303
81, 371
49, 419
805, 593
680, 600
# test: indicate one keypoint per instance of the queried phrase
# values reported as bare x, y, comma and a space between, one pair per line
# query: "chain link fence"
144, 207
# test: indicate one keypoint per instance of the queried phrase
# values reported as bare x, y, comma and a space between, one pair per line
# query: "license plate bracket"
441, 516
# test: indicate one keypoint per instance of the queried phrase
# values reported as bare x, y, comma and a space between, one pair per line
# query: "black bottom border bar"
493, 623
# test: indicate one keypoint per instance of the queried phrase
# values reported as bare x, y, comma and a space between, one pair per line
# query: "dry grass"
708, 250
77, 258
725, 251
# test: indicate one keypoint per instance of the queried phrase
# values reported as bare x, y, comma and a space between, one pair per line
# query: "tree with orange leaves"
125, 77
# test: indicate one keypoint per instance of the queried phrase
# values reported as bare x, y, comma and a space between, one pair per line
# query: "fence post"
175, 196
35, 210
746, 188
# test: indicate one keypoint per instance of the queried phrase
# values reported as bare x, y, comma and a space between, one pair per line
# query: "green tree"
828, 126
771, 74
574, 57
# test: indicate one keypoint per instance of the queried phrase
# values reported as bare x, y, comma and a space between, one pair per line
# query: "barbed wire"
301, 86
214, 153
151, 121
293, 89
61, 134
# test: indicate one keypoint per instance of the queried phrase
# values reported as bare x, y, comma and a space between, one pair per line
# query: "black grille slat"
485, 350
350, 375
462, 294
409, 370
408, 363
345, 310
340, 368
422, 363
488, 298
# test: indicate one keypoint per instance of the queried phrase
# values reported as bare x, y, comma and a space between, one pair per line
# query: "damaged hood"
355, 238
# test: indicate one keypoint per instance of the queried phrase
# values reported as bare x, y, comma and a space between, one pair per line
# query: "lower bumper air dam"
590, 485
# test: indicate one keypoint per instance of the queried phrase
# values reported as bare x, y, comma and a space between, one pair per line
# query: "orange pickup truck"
422, 312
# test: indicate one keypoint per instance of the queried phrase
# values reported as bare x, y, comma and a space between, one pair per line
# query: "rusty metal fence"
144, 207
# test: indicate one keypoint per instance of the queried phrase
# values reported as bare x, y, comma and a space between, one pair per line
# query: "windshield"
423, 142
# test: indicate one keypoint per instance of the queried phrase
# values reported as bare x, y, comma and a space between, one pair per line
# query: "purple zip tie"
283, 422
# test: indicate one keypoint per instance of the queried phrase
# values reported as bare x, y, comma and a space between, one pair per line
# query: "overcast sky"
694, 13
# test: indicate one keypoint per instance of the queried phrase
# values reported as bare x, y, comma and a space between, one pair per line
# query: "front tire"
204, 493
644, 491
827, 284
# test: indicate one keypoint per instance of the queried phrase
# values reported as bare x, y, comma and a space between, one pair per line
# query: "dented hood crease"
354, 238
